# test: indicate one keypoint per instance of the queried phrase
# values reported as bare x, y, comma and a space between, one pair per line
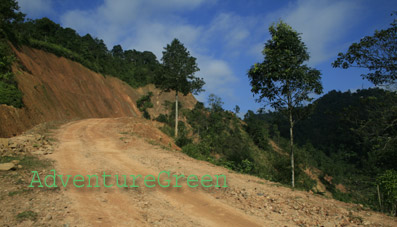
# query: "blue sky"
227, 36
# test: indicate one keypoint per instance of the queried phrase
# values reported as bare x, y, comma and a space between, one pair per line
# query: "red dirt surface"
56, 88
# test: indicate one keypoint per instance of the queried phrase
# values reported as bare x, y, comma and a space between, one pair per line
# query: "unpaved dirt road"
117, 146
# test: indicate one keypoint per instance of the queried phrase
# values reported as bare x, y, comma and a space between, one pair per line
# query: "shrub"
144, 103
388, 188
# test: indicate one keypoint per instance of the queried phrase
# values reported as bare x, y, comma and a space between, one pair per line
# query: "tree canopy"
178, 73
377, 53
282, 80
179, 69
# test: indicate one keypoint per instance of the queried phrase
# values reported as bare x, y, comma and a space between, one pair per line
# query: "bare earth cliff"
56, 88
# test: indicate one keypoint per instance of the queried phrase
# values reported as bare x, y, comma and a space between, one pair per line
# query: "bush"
388, 188
144, 103
10, 95
183, 140
162, 118
9, 92
197, 151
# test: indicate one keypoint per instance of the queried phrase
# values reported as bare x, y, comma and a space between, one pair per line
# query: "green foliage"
27, 215
349, 136
282, 79
58, 50
236, 109
257, 129
357, 128
222, 139
215, 103
178, 75
134, 67
377, 53
162, 118
179, 69
387, 182
10, 95
144, 103
198, 151
9, 17
9, 92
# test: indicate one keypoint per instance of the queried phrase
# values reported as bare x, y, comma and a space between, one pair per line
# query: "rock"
4, 142
19, 167
48, 217
7, 166
12, 145
15, 162
367, 223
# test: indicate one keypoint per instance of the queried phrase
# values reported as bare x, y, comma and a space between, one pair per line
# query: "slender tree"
179, 68
282, 80
377, 53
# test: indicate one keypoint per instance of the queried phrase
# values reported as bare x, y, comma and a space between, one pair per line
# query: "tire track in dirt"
93, 146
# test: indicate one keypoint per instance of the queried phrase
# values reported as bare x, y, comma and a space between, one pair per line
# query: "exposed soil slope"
56, 88
120, 146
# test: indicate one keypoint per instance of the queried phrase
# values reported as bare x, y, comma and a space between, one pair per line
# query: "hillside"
133, 146
55, 88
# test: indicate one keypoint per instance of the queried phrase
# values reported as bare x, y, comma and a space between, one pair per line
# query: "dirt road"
118, 147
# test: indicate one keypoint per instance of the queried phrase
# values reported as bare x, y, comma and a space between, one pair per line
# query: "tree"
282, 80
179, 68
215, 103
388, 187
377, 53
237, 109
9, 13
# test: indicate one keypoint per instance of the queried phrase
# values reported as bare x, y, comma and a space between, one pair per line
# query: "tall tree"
179, 68
377, 53
282, 80
9, 13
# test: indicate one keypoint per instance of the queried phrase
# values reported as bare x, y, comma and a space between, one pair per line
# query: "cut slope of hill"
55, 88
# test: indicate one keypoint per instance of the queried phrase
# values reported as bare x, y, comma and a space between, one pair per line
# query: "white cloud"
151, 25
36, 8
322, 23
218, 76
232, 28
139, 24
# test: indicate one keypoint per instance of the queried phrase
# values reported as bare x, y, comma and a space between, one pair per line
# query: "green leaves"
282, 79
377, 53
179, 68
388, 187
9, 92
143, 103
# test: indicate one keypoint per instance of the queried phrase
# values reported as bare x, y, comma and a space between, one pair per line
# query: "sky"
226, 36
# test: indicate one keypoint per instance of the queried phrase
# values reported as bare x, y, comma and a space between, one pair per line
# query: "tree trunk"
379, 199
176, 114
291, 126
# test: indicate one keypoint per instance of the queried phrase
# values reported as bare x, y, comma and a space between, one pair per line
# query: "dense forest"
349, 136
134, 67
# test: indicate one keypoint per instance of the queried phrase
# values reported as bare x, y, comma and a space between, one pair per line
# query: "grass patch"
27, 215
51, 139
18, 192
28, 162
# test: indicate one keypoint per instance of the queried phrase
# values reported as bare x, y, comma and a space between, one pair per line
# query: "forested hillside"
346, 141
351, 136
